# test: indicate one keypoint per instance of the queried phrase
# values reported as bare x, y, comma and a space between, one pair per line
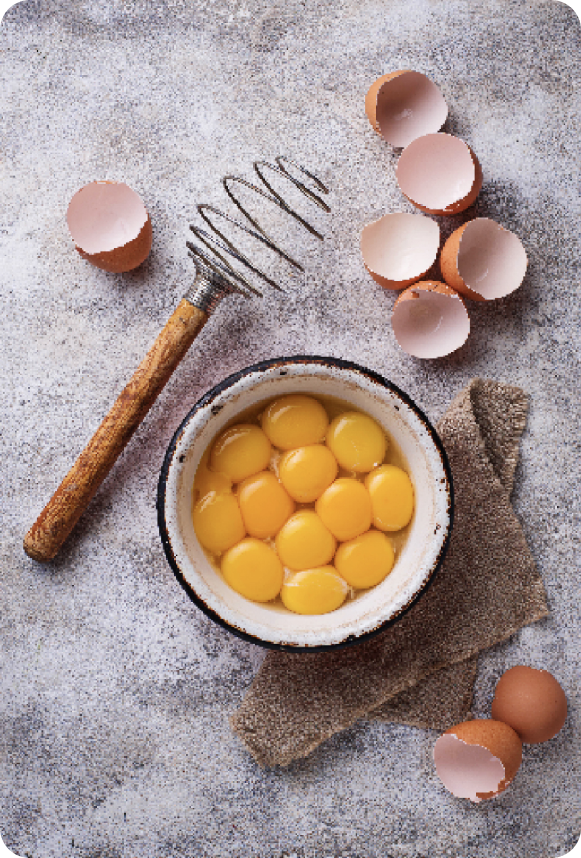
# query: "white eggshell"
399, 248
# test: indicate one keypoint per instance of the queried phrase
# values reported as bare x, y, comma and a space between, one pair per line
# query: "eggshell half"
371, 97
398, 249
532, 702
430, 320
439, 173
404, 105
483, 260
478, 759
110, 226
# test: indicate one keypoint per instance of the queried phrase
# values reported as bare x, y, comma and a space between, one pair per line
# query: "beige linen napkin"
421, 670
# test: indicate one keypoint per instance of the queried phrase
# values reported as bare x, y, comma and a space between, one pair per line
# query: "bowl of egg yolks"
305, 503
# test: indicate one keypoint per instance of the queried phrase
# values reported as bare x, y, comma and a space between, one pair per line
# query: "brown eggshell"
427, 286
484, 253
498, 738
449, 265
110, 226
455, 169
124, 258
470, 197
532, 702
430, 320
371, 97
404, 105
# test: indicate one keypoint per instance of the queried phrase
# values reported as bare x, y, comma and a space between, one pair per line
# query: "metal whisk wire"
219, 244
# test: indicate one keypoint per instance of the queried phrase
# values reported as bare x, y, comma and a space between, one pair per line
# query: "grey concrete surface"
115, 688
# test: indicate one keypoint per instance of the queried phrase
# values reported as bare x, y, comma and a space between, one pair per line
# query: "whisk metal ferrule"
207, 291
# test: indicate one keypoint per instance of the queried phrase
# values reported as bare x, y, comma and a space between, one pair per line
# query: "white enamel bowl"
371, 610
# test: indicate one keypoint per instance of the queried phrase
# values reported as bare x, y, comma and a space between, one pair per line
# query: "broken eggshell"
483, 260
371, 97
110, 226
404, 105
439, 173
532, 702
478, 759
398, 249
430, 320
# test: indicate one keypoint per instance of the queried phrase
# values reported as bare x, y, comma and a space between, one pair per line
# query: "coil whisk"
215, 278
214, 260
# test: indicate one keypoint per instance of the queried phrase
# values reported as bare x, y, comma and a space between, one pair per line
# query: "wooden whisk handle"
72, 497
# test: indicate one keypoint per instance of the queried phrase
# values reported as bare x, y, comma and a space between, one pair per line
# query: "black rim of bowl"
218, 389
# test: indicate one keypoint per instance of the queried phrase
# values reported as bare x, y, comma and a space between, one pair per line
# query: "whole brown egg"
530, 701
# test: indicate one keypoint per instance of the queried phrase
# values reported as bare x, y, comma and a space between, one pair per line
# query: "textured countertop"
116, 690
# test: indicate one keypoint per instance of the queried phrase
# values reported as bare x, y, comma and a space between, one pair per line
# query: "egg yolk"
211, 481
307, 471
314, 591
295, 421
253, 570
392, 497
240, 451
254, 475
304, 542
357, 441
365, 561
345, 508
264, 504
218, 522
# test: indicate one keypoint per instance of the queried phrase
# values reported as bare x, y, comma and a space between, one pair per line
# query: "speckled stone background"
115, 689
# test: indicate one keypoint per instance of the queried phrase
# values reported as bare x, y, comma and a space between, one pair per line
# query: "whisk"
215, 278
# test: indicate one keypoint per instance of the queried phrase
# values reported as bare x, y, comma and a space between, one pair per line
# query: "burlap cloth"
421, 670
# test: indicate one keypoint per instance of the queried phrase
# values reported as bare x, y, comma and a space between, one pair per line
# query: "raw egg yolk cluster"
299, 506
